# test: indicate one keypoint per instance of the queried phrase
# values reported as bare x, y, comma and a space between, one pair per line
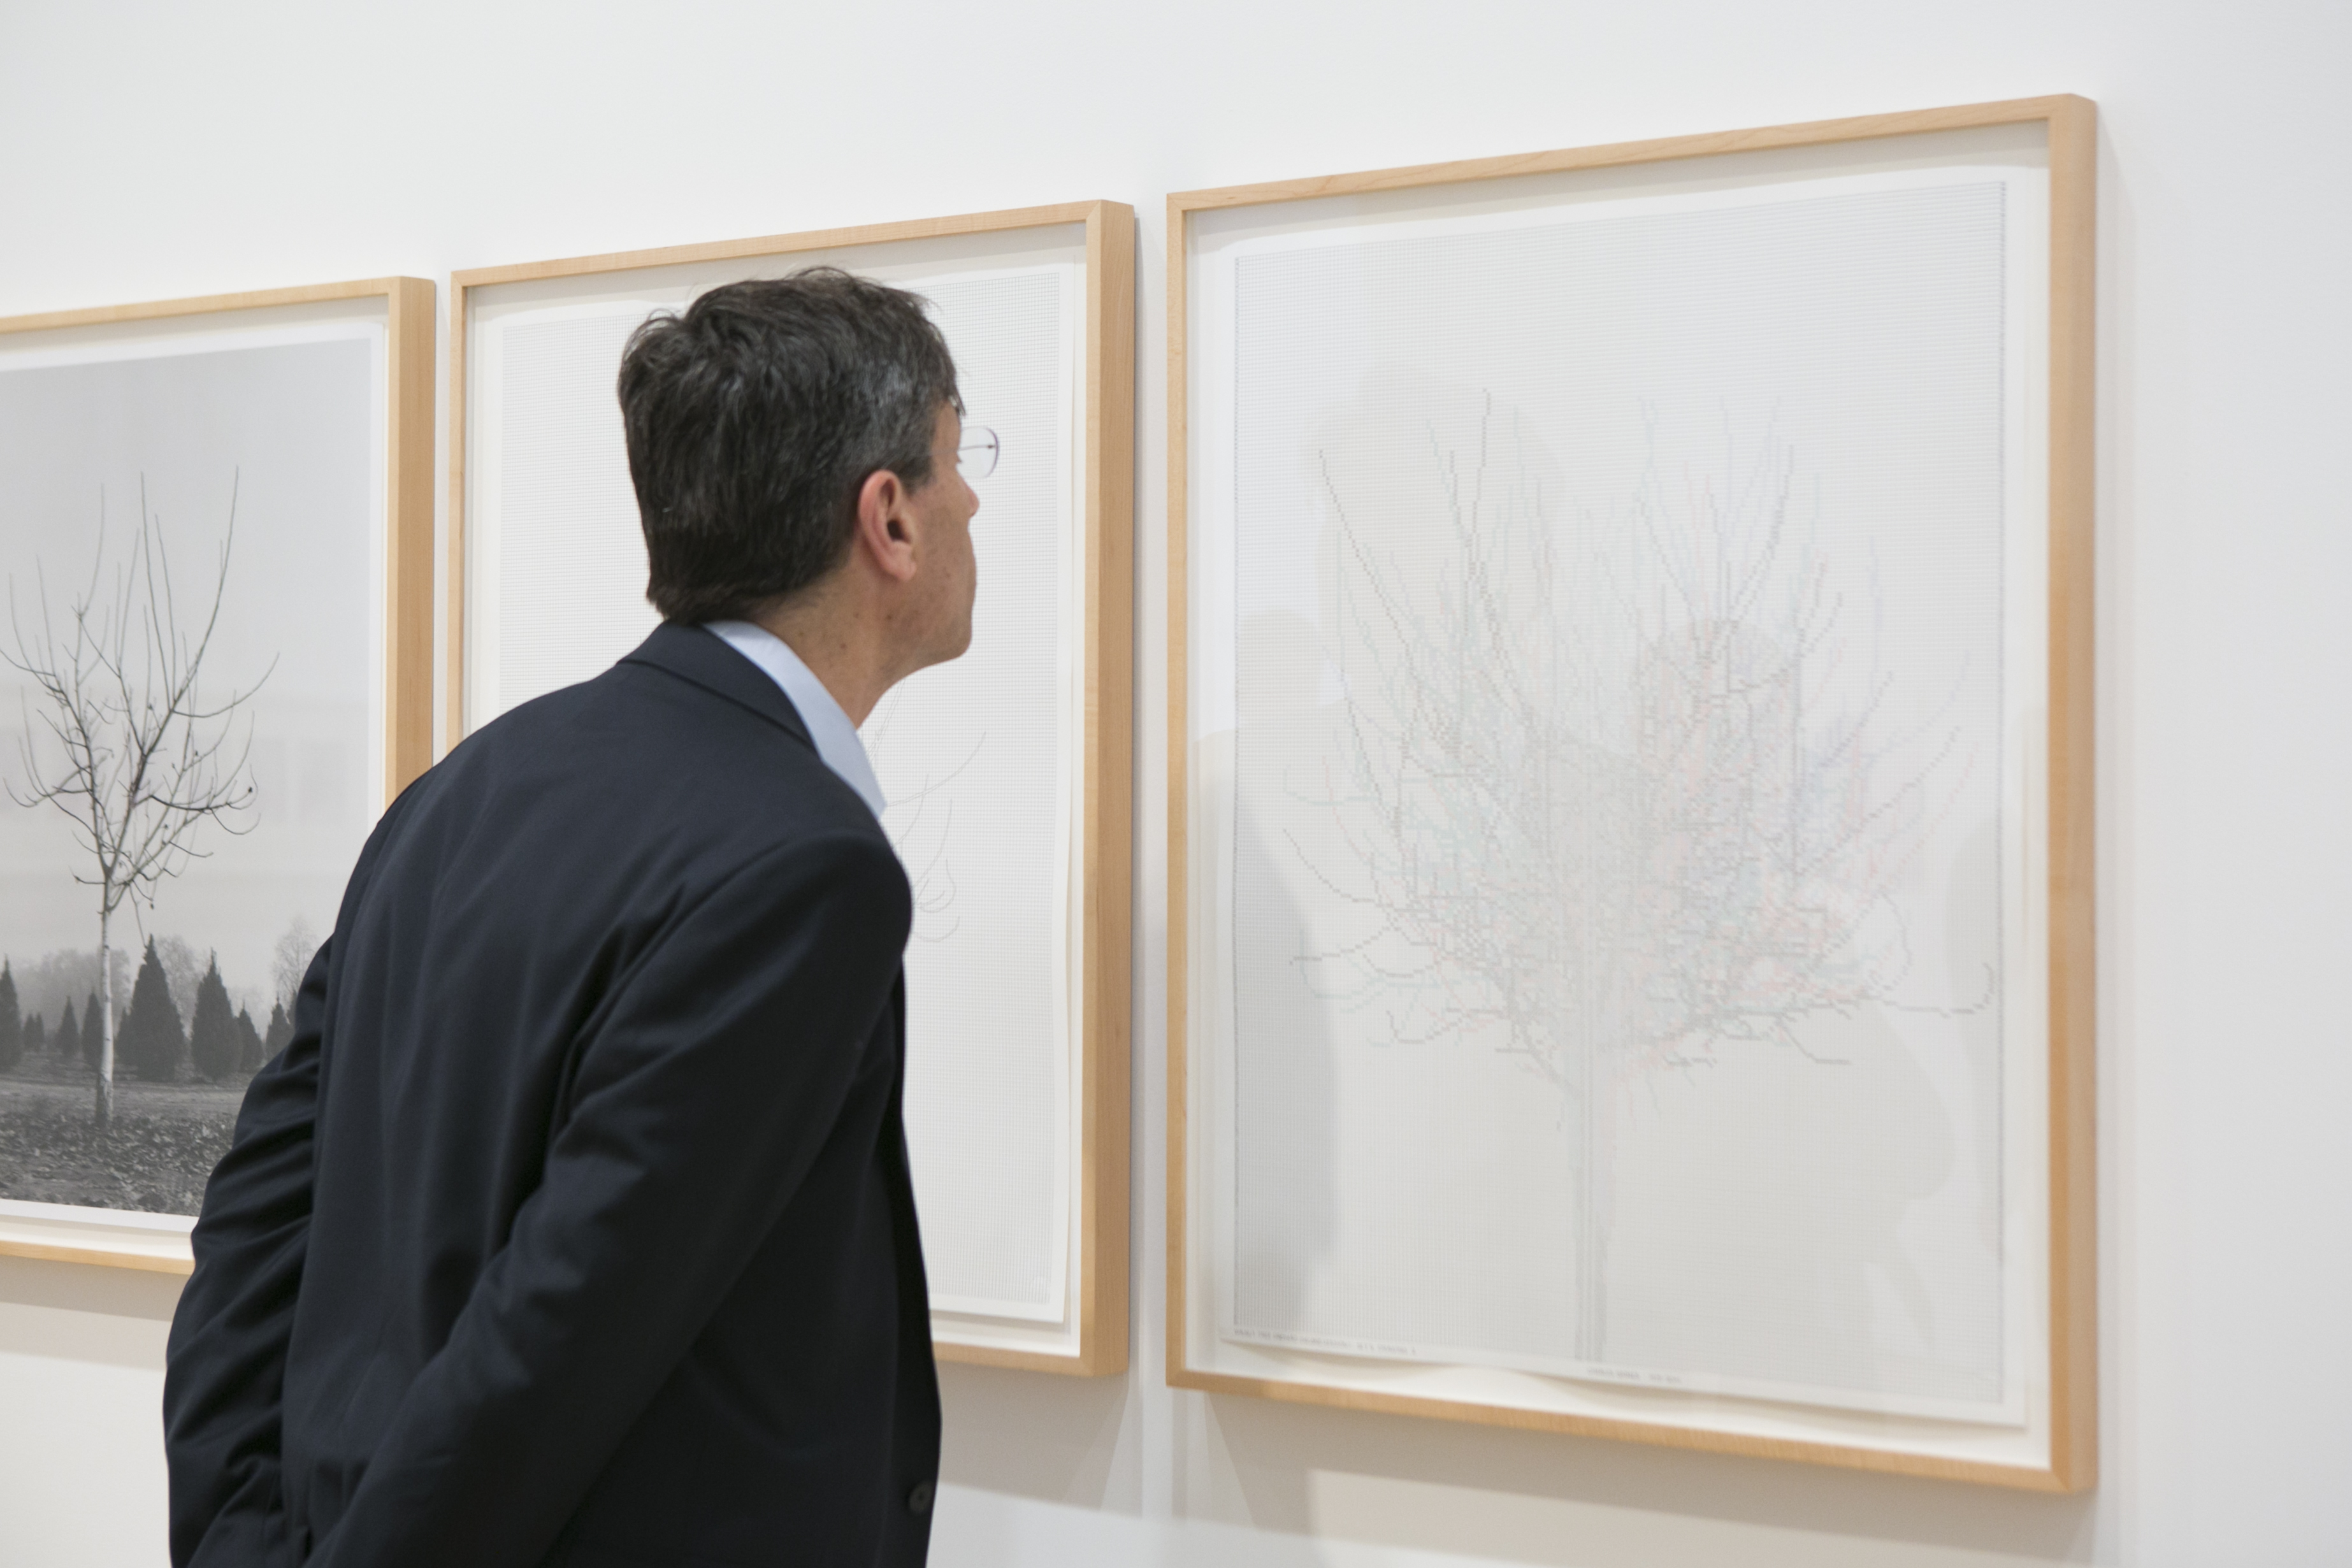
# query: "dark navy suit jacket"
575, 1225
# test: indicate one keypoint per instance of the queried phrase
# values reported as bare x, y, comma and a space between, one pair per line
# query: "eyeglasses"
977, 456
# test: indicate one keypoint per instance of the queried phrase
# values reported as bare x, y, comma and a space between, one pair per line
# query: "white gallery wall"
154, 151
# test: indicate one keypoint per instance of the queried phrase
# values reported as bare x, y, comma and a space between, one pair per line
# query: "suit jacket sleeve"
226, 1360
718, 1070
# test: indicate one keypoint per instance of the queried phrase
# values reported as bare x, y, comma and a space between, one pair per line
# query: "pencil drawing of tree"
921, 825
1619, 792
136, 756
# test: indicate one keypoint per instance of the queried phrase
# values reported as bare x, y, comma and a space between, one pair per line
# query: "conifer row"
150, 1040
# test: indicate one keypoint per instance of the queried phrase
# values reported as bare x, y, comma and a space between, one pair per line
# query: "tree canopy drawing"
139, 758
1618, 702
1615, 791
1626, 755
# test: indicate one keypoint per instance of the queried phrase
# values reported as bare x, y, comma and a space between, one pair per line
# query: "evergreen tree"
281, 1030
151, 1041
12, 1024
248, 1044
93, 1034
68, 1032
34, 1037
212, 1028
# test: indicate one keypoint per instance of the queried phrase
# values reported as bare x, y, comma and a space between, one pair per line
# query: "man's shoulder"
639, 716
641, 753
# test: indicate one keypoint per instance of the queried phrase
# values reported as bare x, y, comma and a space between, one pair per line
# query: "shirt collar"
837, 745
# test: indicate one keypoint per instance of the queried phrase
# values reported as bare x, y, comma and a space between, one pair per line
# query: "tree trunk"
105, 1111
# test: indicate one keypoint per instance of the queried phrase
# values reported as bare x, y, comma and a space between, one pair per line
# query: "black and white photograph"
190, 733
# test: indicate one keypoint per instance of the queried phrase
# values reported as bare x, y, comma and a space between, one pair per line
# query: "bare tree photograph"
187, 666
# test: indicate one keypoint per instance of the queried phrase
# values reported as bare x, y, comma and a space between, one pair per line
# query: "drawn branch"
1603, 802
921, 823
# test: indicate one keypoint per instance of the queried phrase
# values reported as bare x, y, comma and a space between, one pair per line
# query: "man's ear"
886, 524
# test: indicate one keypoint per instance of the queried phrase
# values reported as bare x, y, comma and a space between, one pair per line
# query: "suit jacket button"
918, 1500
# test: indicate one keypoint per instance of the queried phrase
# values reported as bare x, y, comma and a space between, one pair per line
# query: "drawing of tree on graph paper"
1621, 785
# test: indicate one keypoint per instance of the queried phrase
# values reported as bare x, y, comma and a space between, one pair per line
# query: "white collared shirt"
837, 746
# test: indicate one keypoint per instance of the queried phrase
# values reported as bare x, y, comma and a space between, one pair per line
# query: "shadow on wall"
70, 1311
1328, 1479
1434, 1486
1051, 1438
1266, 1485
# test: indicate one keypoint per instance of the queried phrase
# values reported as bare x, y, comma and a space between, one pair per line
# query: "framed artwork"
1629, 864
1007, 770
216, 544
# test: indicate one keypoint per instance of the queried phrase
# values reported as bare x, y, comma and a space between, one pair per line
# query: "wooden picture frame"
1093, 1339
2068, 1461
405, 308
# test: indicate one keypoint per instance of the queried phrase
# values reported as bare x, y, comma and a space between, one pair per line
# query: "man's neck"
840, 641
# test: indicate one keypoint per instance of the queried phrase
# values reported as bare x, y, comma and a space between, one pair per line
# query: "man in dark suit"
575, 1225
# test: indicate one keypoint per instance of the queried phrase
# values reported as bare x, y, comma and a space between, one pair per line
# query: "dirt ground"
165, 1139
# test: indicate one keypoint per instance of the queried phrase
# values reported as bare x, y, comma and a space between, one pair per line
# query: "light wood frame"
126, 1241
2071, 125
1107, 530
